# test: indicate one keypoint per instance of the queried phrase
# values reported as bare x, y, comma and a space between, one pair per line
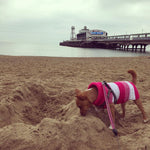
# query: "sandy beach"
38, 110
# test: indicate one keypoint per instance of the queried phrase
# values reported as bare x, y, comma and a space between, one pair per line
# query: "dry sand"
38, 110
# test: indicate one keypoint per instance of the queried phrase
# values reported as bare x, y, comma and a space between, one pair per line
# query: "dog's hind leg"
140, 106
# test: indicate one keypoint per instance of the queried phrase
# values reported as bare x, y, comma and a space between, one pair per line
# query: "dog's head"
82, 102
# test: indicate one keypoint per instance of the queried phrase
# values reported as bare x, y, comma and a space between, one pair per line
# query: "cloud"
47, 20
33, 9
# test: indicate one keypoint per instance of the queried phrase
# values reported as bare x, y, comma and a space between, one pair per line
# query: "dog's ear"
92, 95
77, 92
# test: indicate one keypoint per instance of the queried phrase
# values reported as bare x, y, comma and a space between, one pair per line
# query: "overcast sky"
50, 21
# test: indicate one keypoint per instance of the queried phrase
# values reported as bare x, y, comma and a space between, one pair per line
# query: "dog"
121, 92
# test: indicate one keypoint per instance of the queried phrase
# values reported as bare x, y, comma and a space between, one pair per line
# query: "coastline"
37, 103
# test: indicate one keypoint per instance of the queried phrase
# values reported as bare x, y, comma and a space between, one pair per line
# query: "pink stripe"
122, 93
127, 92
100, 98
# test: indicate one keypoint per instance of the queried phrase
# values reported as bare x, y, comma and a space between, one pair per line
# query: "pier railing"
128, 42
141, 36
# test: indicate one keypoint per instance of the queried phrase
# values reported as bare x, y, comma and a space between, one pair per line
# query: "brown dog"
123, 91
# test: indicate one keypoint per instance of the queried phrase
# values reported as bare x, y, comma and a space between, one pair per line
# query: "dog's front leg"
123, 110
112, 108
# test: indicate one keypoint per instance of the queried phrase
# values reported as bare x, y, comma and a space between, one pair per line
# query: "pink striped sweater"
124, 91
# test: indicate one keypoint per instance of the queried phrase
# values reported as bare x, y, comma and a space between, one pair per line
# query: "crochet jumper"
124, 91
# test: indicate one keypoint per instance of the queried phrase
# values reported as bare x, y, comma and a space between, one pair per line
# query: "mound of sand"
38, 110
24, 123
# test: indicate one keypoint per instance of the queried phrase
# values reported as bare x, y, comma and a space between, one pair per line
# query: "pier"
128, 42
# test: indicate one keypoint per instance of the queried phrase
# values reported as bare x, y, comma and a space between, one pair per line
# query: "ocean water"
54, 50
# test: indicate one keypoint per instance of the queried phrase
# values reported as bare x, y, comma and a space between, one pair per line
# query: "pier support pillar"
133, 48
141, 48
144, 49
136, 47
128, 47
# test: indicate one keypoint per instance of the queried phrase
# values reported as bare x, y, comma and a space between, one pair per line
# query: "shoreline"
75, 57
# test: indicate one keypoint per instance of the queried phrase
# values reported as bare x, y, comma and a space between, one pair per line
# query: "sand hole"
29, 103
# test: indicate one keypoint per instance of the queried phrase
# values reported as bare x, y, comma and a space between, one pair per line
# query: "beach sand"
38, 110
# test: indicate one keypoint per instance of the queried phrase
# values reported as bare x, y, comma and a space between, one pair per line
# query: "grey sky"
49, 21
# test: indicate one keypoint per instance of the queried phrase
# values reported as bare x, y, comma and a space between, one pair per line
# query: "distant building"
86, 34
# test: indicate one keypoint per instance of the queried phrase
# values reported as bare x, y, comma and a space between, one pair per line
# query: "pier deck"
131, 42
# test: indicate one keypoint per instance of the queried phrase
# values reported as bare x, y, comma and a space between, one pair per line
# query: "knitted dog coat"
124, 91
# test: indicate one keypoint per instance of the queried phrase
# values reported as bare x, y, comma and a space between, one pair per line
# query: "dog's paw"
110, 127
145, 120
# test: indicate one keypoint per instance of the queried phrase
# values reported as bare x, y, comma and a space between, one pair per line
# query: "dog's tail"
134, 75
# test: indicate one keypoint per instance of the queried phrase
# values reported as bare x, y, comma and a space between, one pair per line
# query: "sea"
54, 50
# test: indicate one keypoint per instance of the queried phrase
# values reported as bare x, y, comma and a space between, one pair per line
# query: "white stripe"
115, 89
131, 91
